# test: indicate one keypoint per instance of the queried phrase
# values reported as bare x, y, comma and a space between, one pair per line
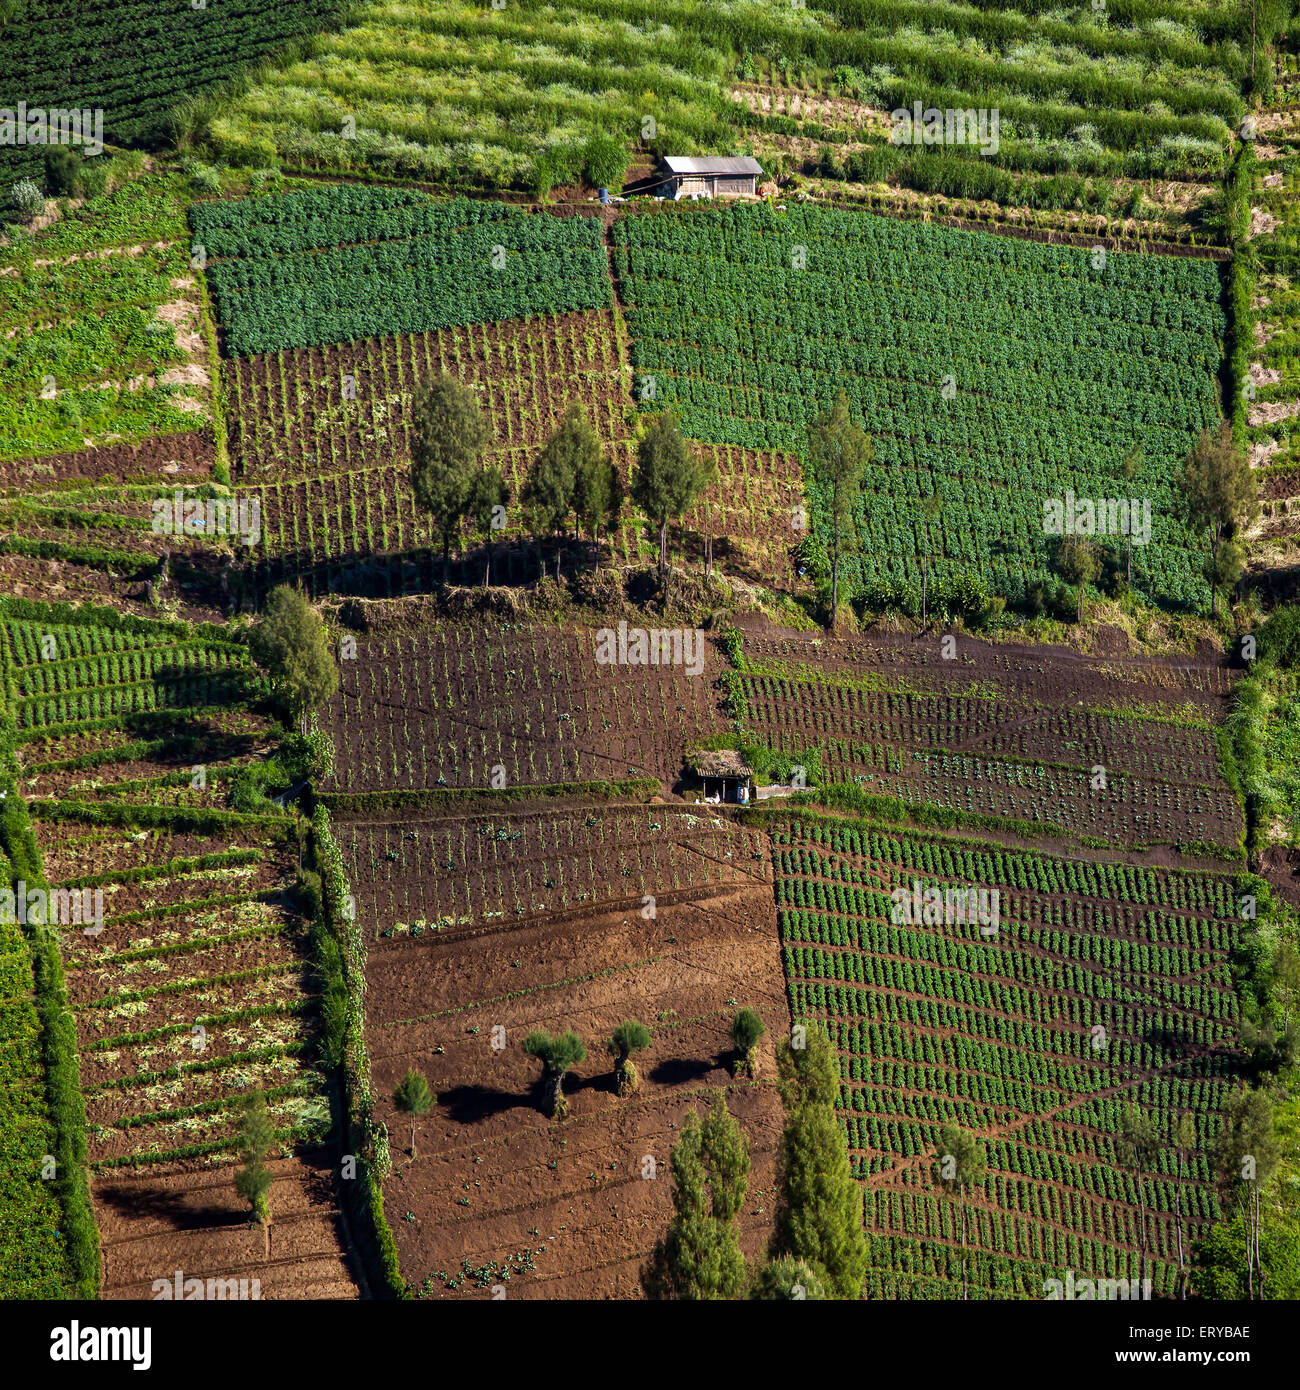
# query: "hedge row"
343, 964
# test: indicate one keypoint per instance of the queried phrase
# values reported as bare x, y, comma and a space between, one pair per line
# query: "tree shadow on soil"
468, 1104
678, 1071
171, 1207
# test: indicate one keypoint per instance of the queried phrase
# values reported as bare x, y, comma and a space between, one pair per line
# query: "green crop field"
89, 318
511, 95
1097, 980
547, 546
993, 374
347, 263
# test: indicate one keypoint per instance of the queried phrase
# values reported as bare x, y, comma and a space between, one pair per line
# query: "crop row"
813, 846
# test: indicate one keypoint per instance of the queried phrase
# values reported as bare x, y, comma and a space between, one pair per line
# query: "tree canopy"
415, 1097
557, 1053
668, 477
627, 1038
699, 1257
819, 1214
291, 644
448, 434
1220, 495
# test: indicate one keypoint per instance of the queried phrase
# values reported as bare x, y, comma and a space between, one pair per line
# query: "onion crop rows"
1103, 983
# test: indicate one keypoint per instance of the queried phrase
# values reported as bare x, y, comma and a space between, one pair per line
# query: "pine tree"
790, 1279
253, 1181
667, 478
1220, 493
699, 1256
819, 1217
1137, 1145
1245, 1154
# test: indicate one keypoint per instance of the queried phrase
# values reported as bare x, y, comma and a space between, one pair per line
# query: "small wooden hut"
725, 775
730, 177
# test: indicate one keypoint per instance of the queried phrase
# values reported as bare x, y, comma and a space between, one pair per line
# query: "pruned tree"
558, 1054
1220, 494
414, 1097
699, 1256
838, 453
488, 494
746, 1029
961, 1166
1137, 1145
1078, 563
667, 478
627, 1038
790, 1279
291, 644
1245, 1155
448, 433
253, 1180
819, 1214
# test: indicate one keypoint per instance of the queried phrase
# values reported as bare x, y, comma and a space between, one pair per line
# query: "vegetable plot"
1100, 984
996, 373
333, 266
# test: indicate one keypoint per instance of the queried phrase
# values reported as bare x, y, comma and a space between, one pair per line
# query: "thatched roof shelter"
722, 762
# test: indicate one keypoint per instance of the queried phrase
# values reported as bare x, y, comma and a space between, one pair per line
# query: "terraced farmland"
419, 876
1101, 983
133, 61
786, 308
1003, 733
497, 1193
514, 98
442, 709
196, 983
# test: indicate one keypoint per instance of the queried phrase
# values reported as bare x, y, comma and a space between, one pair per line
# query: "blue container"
604, 194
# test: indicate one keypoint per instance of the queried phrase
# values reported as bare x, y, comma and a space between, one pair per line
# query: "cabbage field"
992, 374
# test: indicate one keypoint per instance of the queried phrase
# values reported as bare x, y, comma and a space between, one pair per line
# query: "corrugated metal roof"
741, 164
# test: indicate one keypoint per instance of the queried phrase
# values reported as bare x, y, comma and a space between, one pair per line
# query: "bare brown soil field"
172, 458
154, 1224
501, 1195
445, 707
1123, 749
450, 873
